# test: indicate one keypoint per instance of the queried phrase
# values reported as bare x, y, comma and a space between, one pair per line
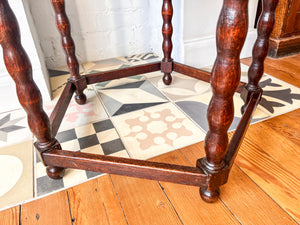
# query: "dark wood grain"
64, 28
241, 129
198, 73
121, 73
260, 50
233, 23
61, 107
167, 46
19, 67
129, 167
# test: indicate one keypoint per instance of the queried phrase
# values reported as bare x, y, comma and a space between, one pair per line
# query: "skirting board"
202, 52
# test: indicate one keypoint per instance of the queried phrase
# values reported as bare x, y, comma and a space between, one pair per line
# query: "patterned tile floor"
136, 117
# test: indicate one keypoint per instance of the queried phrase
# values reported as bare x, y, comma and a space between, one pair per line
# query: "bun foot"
167, 79
80, 99
55, 172
209, 196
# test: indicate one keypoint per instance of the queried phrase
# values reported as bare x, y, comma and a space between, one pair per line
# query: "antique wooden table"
210, 172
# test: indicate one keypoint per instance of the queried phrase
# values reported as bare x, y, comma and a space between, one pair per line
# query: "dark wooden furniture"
285, 38
210, 172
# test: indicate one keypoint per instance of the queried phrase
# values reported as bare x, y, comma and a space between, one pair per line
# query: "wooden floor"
263, 188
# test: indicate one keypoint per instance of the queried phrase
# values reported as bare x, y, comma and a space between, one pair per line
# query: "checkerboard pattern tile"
96, 138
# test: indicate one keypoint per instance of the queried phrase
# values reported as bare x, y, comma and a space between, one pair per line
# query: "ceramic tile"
196, 108
104, 65
57, 84
142, 58
278, 97
17, 181
130, 97
78, 115
148, 124
182, 86
156, 130
96, 138
14, 128
117, 82
58, 79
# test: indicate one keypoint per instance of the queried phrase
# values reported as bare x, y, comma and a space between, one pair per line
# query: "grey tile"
112, 146
88, 141
127, 86
66, 135
56, 73
46, 185
134, 107
91, 174
103, 125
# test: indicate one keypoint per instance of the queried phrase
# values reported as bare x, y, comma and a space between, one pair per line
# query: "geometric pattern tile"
182, 86
78, 115
156, 130
117, 82
104, 65
97, 138
196, 108
14, 128
143, 58
278, 97
147, 118
130, 97
58, 79
16, 174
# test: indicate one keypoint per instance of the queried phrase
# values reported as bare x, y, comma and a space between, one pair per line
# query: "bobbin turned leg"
231, 33
19, 67
260, 50
63, 25
167, 46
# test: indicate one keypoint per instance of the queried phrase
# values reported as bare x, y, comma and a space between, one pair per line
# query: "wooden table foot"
55, 172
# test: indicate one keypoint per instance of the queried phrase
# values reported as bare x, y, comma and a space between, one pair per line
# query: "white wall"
8, 95
200, 21
103, 29
111, 28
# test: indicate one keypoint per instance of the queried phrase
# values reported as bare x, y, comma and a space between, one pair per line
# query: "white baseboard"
201, 52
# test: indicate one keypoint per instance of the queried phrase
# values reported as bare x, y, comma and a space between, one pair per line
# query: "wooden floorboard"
263, 187
53, 209
187, 201
281, 148
287, 125
10, 216
98, 193
280, 184
241, 195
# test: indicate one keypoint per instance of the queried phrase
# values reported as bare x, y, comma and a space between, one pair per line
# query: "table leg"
260, 50
231, 33
64, 27
167, 46
19, 67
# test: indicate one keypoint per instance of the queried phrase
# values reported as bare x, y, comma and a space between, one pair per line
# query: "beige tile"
85, 130
79, 115
107, 135
96, 149
73, 177
16, 174
156, 130
14, 128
